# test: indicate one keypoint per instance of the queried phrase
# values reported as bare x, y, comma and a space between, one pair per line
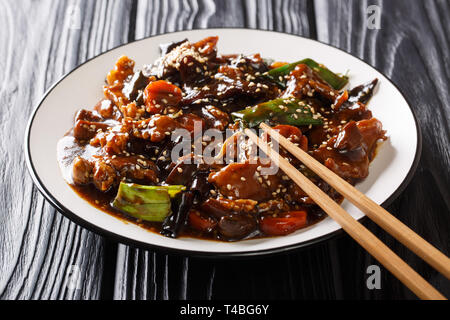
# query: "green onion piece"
149, 203
334, 80
283, 111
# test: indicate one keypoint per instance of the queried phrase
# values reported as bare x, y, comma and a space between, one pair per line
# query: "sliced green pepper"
149, 203
284, 111
334, 80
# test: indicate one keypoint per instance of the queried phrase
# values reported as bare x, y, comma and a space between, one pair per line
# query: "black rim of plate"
139, 244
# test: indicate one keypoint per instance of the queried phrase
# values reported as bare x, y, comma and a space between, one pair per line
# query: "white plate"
82, 88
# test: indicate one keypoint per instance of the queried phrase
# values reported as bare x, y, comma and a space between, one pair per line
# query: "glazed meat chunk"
304, 82
244, 181
349, 154
86, 130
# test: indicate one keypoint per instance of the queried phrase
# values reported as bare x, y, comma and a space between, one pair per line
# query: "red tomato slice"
161, 94
281, 226
200, 222
294, 133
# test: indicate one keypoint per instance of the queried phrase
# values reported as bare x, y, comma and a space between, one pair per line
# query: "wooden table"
38, 245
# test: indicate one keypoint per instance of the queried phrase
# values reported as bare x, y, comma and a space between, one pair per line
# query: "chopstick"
375, 212
357, 231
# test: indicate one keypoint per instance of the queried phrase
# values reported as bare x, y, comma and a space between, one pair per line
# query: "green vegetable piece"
283, 110
334, 80
149, 203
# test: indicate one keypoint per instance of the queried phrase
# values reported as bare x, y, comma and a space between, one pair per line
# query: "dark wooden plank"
38, 246
412, 48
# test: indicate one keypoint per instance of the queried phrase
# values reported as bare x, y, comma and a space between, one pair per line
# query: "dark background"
38, 245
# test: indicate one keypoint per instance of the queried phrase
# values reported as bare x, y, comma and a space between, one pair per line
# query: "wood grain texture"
38, 245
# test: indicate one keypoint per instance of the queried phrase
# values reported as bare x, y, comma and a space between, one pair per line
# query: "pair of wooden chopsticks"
357, 231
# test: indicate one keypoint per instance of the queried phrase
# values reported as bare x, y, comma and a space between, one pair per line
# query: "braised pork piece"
119, 156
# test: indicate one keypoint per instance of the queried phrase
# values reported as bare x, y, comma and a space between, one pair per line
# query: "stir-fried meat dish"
165, 148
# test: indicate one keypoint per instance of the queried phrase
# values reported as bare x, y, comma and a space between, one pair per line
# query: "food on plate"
165, 146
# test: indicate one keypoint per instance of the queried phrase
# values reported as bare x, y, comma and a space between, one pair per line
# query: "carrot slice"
281, 226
